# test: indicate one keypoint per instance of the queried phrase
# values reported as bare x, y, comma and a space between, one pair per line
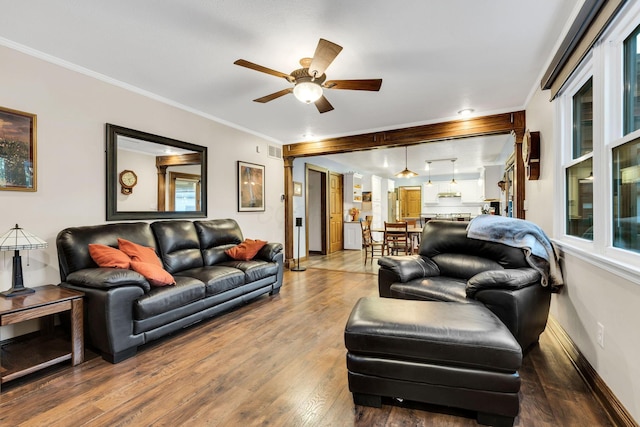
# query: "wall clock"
531, 155
128, 180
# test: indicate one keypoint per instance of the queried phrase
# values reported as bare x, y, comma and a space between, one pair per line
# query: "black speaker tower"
299, 225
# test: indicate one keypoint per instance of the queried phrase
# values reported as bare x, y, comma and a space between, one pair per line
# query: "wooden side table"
26, 356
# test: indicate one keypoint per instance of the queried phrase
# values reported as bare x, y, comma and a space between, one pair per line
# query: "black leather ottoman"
444, 353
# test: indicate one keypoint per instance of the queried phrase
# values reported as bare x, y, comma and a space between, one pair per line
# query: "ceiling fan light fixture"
307, 92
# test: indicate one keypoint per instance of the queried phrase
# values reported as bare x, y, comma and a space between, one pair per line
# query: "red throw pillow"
139, 253
246, 250
156, 276
106, 256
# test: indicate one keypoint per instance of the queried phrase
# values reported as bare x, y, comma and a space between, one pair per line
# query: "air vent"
275, 152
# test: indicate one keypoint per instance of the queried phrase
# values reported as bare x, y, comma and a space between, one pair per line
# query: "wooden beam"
477, 126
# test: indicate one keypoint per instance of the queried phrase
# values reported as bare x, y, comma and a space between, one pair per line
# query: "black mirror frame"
112, 175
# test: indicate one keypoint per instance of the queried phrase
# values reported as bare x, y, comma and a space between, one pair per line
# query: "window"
579, 172
626, 188
583, 120
631, 83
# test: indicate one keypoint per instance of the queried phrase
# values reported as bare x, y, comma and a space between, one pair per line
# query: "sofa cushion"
254, 269
441, 237
73, 243
463, 266
445, 334
165, 298
216, 236
437, 288
139, 252
178, 245
216, 278
246, 250
106, 256
155, 275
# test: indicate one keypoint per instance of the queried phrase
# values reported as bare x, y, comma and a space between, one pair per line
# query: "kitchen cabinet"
352, 187
352, 235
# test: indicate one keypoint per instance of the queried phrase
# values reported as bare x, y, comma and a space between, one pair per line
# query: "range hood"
449, 194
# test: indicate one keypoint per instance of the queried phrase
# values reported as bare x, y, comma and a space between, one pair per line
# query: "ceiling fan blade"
251, 65
274, 95
366, 84
326, 52
323, 105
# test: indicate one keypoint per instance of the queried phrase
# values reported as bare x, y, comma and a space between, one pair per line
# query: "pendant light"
406, 173
429, 169
453, 172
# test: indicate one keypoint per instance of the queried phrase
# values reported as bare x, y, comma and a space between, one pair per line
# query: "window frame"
564, 151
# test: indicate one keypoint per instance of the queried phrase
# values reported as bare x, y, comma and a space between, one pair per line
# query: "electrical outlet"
600, 336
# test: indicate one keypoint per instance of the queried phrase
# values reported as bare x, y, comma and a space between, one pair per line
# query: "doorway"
324, 210
409, 202
316, 209
336, 217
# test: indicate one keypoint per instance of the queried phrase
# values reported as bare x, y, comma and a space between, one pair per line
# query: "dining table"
413, 232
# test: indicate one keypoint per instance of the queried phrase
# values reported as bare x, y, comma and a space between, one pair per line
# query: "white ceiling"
435, 57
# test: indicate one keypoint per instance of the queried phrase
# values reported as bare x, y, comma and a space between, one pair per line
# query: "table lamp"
17, 239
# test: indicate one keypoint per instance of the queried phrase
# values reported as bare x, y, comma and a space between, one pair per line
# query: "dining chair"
396, 238
368, 242
414, 237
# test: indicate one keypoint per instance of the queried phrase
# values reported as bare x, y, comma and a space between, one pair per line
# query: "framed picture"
297, 189
17, 150
250, 187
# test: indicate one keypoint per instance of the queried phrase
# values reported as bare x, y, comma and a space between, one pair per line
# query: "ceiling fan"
310, 80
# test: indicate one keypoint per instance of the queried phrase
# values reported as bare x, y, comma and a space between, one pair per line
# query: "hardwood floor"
278, 361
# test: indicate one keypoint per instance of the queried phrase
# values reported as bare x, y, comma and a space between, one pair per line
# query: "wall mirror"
153, 177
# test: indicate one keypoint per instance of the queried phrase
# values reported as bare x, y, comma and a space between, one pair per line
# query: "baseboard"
614, 409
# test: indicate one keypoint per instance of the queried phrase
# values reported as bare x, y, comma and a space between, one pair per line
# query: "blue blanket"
540, 252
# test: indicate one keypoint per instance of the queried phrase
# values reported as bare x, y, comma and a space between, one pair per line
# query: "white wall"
591, 294
72, 110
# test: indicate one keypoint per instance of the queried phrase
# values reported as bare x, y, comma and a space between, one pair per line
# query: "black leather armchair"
454, 268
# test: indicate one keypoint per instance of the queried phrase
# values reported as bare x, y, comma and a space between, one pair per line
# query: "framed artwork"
297, 189
250, 187
17, 150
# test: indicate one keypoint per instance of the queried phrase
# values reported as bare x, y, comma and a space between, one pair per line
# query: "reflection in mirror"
169, 176
184, 191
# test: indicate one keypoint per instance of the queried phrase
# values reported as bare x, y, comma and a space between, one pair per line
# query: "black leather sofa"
454, 268
122, 310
